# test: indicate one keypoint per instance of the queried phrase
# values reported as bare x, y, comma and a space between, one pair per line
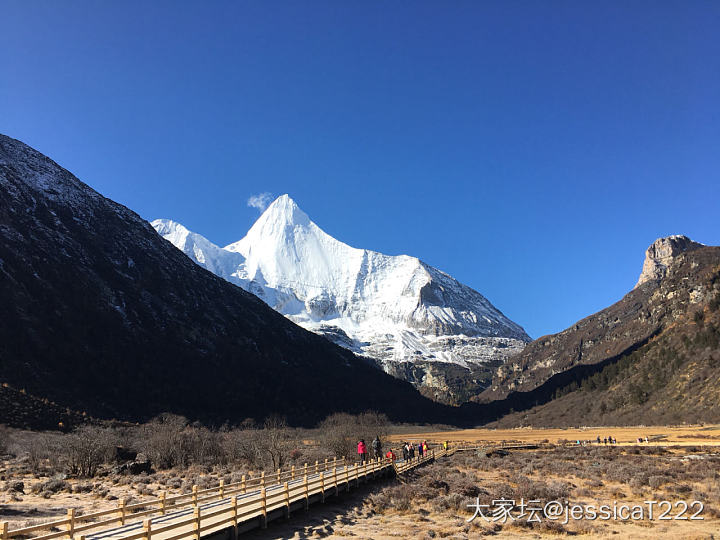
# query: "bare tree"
273, 443
86, 448
162, 441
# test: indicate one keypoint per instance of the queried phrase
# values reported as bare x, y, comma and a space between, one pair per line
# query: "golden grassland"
681, 435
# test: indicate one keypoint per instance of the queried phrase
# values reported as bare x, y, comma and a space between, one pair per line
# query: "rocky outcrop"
660, 255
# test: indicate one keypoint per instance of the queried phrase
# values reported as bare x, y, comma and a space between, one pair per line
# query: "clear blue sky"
531, 149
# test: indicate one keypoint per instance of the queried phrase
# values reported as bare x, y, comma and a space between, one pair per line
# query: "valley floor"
434, 502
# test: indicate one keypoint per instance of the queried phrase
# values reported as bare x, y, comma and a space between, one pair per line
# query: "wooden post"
286, 487
121, 510
326, 464
243, 485
278, 476
147, 527
335, 480
305, 470
263, 508
335, 462
71, 522
194, 495
347, 479
196, 525
233, 505
307, 494
262, 479
163, 496
322, 487
292, 472
222, 489
317, 467
4, 530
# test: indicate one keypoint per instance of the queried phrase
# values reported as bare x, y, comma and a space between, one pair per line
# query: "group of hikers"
408, 450
613, 440
363, 451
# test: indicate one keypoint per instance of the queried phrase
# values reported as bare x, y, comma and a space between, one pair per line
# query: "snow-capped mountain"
394, 309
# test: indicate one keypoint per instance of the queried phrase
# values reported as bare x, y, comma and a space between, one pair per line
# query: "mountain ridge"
689, 279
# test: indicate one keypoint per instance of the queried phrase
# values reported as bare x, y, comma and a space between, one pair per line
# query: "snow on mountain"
390, 308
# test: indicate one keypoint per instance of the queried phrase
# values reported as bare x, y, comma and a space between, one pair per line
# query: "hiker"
445, 445
420, 450
362, 451
598, 439
390, 455
425, 448
405, 451
646, 439
411, 450
377, 447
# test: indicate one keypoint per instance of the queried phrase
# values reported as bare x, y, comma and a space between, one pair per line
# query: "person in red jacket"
390, 455
362, 451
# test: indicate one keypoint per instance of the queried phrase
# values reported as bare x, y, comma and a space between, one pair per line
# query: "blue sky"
533, 149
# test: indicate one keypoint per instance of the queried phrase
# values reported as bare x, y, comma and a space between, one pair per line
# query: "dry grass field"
683, 435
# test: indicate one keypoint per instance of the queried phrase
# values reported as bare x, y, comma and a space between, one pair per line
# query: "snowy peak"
395, 309
201, 250
281, 219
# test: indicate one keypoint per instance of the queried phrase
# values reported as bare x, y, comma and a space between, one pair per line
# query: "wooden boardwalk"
232, 508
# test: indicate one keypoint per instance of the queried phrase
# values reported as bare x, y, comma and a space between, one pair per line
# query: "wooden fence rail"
191, 515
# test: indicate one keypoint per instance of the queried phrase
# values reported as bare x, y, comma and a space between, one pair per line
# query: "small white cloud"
260, 201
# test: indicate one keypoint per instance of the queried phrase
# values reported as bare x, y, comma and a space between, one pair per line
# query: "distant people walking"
377, 447
598, 439
405, 451
362, 451
446, 445
411, 450
420, 450
425, 448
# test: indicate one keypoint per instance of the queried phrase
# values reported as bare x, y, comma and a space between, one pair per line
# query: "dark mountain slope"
100, 314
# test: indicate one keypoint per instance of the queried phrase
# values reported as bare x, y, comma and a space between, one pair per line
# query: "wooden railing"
193, 514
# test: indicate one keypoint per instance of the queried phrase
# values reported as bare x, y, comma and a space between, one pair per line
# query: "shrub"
4, 440
50, 486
